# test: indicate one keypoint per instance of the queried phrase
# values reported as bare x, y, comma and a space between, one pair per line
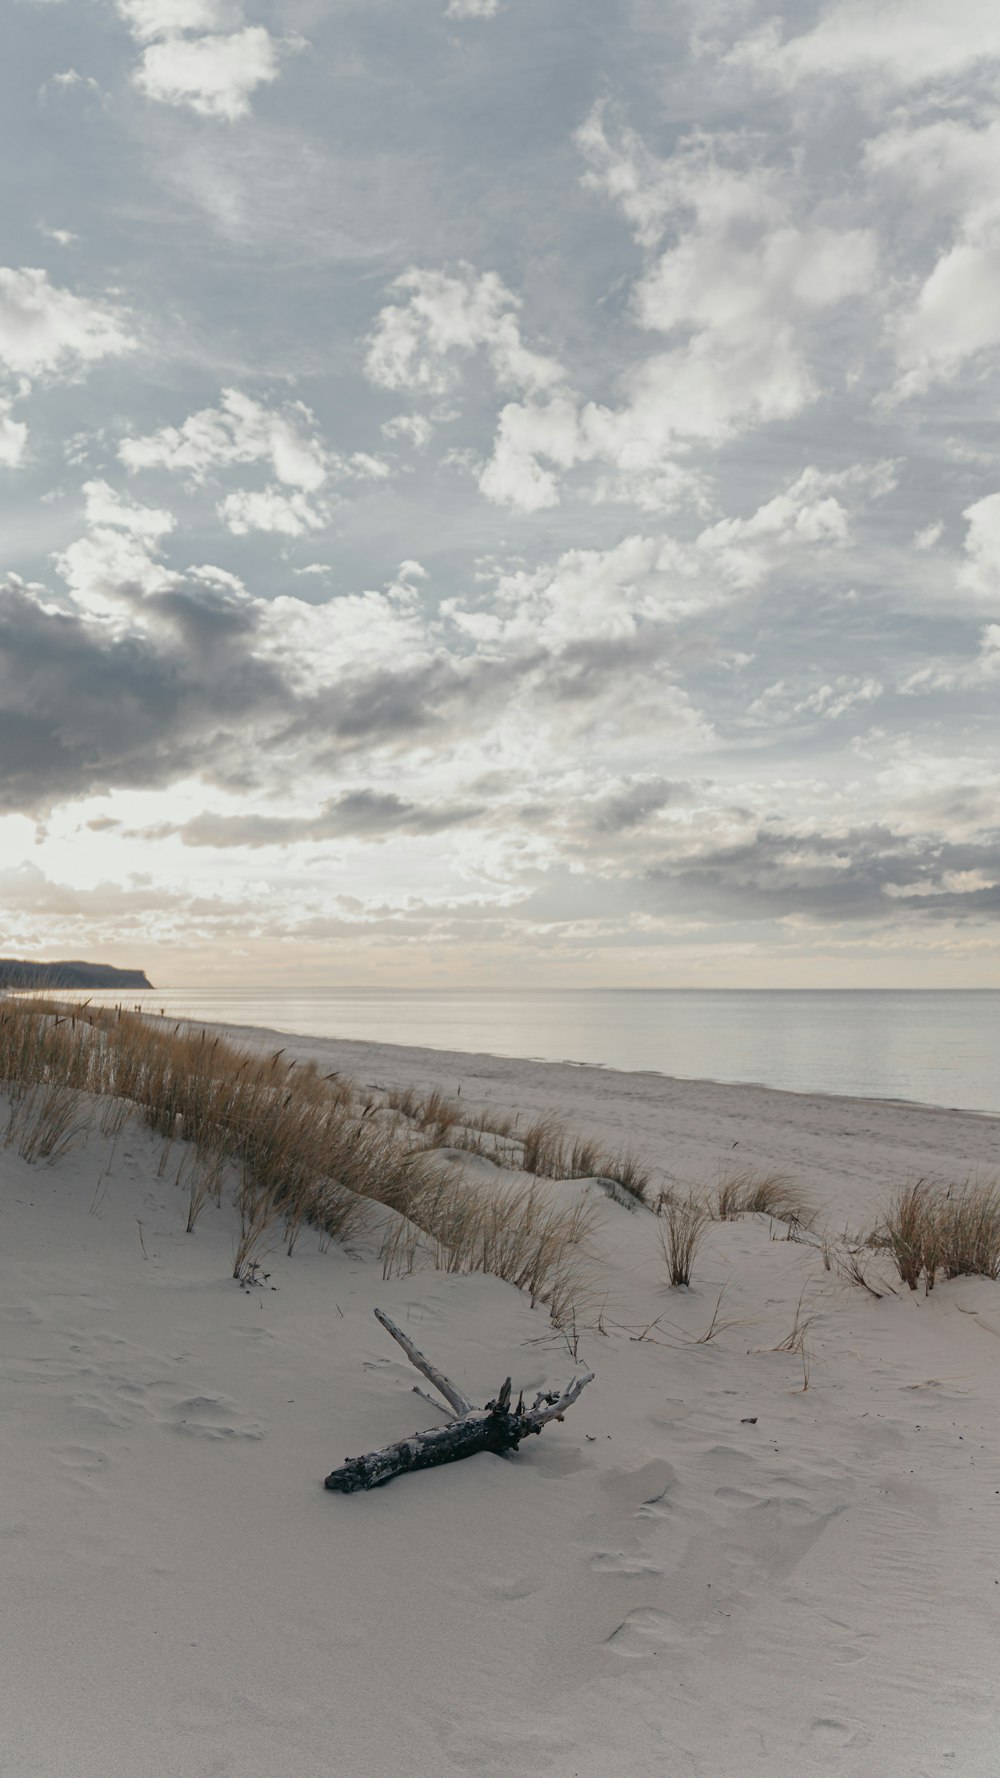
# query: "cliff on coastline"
18, 973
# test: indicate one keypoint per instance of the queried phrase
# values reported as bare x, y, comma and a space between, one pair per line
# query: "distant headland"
16, 973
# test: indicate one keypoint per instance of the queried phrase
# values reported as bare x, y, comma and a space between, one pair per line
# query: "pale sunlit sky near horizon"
502, 490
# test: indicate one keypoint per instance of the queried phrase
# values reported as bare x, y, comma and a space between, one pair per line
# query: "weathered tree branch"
495, 1428
458, 1402
433, 1401
549, 1407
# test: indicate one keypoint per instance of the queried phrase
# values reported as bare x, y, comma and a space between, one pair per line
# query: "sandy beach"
706, 1568
501, 523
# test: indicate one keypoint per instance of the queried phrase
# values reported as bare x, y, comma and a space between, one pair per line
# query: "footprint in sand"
856, 1646
212, 1416
22, 1315
81, 1458
618, 1562
829, 1731
81, 1467
510, 1588
101, 1410
559, 1463
645, 1633
642, 1490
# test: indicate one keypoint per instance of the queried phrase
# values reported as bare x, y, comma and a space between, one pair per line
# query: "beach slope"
763, 1542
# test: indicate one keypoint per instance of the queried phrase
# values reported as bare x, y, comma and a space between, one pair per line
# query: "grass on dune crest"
750, 1193
294, 1147
544, 1147
551, 1152
684, 1218
930, 1228
515, 1232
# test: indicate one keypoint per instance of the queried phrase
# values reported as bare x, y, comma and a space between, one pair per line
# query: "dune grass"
550, 1151
295, 1147
929, 1227
47, 1120
544, 1147
515, 1232
749, 1193
796, 1338
684, 1220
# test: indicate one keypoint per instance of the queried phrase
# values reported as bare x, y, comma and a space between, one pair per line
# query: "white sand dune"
705, 1569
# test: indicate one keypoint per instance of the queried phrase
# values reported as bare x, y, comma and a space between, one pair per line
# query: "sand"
705, 1569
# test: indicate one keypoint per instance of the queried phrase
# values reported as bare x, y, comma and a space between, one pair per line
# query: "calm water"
943, 1047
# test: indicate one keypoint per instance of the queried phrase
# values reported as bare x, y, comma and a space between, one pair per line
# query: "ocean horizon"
932, 1046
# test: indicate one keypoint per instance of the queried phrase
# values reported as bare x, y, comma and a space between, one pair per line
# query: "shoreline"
605, 1068
849, 1151
845, 1063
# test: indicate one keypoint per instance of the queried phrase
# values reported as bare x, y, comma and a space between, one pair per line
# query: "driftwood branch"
433, 1401
458, 1402
497, 1427
553, 1407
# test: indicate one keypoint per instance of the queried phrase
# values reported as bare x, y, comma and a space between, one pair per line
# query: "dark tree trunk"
497, 1430
494, 1428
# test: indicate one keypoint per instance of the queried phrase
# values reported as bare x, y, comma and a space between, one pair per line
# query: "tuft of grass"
802, 1321
550, 1153
908, 1231
852, 1265
930, 1228
969, 1231
748, 1193
629, 1172
682, 1229
796, 1338
49, 1121
544, 1150
716, 1324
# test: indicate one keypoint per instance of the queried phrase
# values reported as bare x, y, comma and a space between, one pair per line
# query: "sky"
501, 491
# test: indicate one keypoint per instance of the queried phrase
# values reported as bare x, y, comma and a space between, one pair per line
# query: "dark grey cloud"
864, 874
83, 709
636, 804
357, 814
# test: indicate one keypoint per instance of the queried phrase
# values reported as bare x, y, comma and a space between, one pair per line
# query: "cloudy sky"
502, 490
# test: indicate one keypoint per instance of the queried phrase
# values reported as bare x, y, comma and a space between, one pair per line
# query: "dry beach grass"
930, 1227
299, 1148
296, 1147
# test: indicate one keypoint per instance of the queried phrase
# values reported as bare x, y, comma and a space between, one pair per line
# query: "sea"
939, 1047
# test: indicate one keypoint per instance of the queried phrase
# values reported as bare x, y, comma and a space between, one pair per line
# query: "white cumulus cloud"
443, 318
598, 595
13, 437
215, 76
239, 430
106, 507
956, 316
904, 45
46, 329
808, 514
738, 292
270, 509
414, 427
114, 566
979, 574
147, 19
